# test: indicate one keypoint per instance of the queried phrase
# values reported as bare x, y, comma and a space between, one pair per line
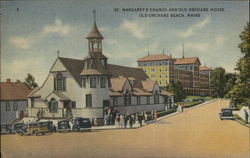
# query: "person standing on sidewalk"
121, 121
155, 116
246, 116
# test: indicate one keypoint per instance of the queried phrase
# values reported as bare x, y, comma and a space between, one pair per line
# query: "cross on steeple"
58, 53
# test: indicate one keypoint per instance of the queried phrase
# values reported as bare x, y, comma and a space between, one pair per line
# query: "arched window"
53, 106
59, 83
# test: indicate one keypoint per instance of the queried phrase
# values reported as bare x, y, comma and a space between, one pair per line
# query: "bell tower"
94, 39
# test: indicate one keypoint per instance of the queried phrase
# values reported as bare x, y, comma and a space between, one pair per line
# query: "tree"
240, 93
230, 82
178, 91
218, 81
30, 81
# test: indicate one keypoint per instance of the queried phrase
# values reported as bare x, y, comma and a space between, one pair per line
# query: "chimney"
8, 80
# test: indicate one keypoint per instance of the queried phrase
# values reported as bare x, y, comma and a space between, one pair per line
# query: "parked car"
63, 126
226, 113
49, 124
34, 129
82, 124
18, 127
7, 129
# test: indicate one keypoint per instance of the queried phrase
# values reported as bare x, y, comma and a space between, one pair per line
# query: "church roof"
183, 61
155, 57
74, 66
95, 33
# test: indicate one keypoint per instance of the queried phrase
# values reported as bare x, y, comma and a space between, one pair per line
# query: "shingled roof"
204, 68
155, 57
191, 60
14, 90
74, 66
128, 72
95, 33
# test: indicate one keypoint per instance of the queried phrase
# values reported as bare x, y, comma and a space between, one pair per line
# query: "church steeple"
95, 38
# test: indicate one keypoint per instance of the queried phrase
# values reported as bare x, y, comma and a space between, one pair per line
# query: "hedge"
194, 104
162, 113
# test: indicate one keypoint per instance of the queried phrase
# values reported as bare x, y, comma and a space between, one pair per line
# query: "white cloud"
57, 28
133, 28
190, 31
21, 42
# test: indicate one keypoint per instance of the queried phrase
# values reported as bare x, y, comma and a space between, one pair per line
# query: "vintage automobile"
49, 124
7, 129
81, 124
63, 126
34, 129
226, 113
18, 127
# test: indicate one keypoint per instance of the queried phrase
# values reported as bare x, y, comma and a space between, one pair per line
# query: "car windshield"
64, 123
18, 125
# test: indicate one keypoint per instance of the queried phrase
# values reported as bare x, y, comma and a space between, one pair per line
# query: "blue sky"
33, 31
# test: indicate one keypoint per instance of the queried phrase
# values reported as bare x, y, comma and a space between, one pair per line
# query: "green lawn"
187, 102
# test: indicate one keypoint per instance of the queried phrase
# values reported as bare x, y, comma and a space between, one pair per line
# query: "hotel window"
148, 99
53, 106
15, 106
7, 106
59, 82
152, 69
103, 82
88, 100
84, 80
138, 100
92, 82
153, 76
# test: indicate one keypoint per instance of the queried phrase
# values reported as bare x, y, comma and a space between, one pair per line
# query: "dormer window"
59, 82
89, 63
104, 63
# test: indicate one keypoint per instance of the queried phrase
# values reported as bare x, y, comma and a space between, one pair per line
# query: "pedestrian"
155, 116
117, 120
146, 116
246, 116
143, 118
152, 115
121, 121
182, 107
130, 121
140, 119
125, 120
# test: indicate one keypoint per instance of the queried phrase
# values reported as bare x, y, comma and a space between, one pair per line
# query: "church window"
84, 80
103, 82
92, 82
88, 100
53, 106
59, 83
127, 98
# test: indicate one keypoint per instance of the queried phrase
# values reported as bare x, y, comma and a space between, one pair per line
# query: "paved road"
194, 133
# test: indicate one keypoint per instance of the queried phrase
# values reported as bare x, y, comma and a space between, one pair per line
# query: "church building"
87, 88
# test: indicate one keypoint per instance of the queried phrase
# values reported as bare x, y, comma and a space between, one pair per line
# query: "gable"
127, 86
58, 66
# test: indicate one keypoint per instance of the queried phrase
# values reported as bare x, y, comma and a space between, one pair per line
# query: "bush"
193, 104
160, 114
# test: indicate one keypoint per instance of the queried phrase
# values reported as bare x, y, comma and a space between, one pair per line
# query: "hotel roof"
191, 60
155, 57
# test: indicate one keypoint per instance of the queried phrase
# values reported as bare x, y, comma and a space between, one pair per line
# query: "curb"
242, 123
163, 117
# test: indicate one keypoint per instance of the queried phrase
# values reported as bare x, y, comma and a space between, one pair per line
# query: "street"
194, 133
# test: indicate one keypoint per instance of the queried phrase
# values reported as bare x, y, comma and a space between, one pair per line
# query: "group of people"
128, 120
180, 108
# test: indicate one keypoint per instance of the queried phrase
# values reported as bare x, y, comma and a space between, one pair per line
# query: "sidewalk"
135, 126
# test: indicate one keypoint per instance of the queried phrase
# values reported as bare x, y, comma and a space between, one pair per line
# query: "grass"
236, 116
